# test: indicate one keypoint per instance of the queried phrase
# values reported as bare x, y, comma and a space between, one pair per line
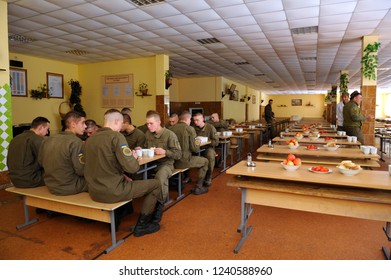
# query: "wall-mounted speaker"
15, 63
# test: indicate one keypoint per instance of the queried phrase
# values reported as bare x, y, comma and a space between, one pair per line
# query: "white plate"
309, 169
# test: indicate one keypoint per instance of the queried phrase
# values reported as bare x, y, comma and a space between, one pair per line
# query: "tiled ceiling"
255, 42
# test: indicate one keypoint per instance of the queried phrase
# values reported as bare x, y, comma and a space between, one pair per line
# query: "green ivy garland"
343, 83
370, 61
40, 92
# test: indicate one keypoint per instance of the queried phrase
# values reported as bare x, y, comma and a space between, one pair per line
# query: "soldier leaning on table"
107, 158
134, 136
61, 156
189, 144
165, 143
24, 170
207, 130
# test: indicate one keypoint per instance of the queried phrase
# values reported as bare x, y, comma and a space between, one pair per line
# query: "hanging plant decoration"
74, 99
370, 61
40, 92
343, 83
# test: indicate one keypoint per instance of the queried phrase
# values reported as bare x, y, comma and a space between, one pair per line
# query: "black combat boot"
143, 226
158, 213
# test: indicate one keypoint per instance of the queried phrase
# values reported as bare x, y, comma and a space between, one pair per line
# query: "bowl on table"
349, 172
290, 167
293, 147
331, 148
299, 137
314, 136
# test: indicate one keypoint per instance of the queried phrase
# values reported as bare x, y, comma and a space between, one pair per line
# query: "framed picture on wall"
254, 99
55, 84
296, 102
234, 95
18, 82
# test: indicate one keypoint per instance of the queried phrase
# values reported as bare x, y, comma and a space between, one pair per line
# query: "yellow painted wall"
302, 111
25, 109
253, 104
143, 70
4, 61
201, 89
234, 109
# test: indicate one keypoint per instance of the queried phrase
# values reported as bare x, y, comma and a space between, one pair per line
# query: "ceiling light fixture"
142, 3
77, 52
241, 63
20, 38
208, 41
304, 30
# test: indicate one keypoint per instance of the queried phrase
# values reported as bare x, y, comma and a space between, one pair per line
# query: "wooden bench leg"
27, 220
180, 194
114, 242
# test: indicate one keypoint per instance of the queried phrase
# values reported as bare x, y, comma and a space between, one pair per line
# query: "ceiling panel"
255, 31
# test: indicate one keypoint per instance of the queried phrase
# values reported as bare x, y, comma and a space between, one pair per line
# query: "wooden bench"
80, 205
177, 174
233, 148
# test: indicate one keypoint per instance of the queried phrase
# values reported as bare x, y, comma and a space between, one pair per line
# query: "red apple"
291, 157
297, 161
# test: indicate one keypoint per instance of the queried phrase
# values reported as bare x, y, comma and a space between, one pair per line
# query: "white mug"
366, 150
354, 139
139, 153
373, 150
151, 153
350, 138
145, 152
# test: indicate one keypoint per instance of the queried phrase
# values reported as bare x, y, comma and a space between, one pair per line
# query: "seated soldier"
189, 144
91, 128
207, 130
173, 120
107, 181
61, 157
134, 136
165, 143
220, 125
24, 170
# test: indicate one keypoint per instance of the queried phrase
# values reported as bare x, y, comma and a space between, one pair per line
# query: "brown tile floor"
197, 227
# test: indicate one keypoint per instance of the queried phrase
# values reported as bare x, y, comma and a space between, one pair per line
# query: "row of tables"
366, 195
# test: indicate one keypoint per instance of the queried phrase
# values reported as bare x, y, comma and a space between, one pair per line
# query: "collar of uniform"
105, 129
159, 134
67, 132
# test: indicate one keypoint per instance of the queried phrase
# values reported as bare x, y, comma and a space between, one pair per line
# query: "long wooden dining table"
366, 195
321, 156
319, 141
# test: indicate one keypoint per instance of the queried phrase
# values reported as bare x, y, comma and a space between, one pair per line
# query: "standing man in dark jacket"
187, 138
207, 130
61, 156
107, 158
22, 160
269, 117
353, 118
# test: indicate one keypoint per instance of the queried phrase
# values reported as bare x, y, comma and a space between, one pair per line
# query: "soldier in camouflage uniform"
166, 143
220, 125
134, 136
61, 156
22, 160
190, 144
207, 130
107, 158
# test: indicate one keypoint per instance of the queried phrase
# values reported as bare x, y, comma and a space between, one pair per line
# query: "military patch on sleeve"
81, 158
126, 150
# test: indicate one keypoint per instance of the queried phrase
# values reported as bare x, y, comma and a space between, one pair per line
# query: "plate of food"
312, 147
320, 169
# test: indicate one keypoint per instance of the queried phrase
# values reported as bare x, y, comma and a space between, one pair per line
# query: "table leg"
246, 210
27, 220
224, 156
114, 242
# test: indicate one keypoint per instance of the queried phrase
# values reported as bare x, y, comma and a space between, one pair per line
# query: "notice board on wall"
117, 91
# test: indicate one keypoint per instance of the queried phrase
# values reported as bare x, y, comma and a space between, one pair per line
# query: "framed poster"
254, 99
117, 91
55, 84
18, 82
234, 96
296, 102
